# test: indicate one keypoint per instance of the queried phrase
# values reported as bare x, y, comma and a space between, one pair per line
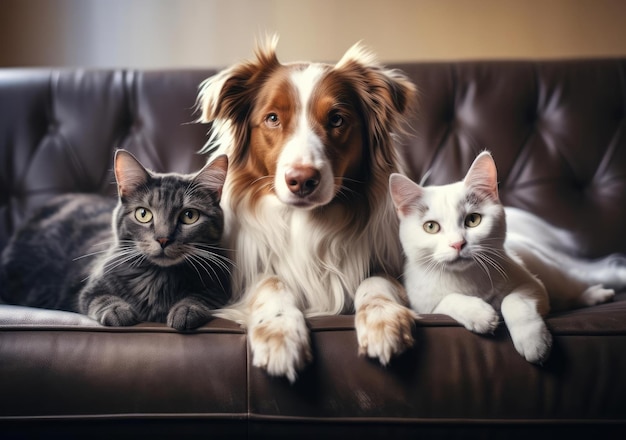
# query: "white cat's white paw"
596, 295
384, 328
280, 343
532, 340
478, 316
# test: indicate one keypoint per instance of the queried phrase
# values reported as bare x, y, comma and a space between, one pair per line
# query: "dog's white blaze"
305, 147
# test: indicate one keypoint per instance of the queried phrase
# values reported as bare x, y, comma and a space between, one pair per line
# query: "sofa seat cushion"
56, 365
63, 365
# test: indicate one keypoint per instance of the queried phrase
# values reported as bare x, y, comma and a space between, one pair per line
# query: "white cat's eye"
189, 216
432, 227
473, 220
143, 215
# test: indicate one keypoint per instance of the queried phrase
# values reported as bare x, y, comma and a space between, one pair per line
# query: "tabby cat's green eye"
473, 220
143, 215
432, 227
189, 216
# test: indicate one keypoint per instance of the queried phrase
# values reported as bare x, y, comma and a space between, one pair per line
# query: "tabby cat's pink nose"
163, 241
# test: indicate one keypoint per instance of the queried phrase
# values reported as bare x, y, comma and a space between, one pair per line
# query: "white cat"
458, 262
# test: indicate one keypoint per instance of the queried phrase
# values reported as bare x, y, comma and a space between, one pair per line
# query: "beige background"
215, 33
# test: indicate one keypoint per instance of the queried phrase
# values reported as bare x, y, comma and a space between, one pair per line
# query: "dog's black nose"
302, 180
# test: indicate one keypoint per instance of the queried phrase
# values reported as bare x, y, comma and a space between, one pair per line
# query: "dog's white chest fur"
306, 254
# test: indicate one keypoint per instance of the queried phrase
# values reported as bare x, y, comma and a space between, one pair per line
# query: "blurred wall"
215, 33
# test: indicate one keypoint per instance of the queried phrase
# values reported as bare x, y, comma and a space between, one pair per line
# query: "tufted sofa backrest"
557, 130
59, 129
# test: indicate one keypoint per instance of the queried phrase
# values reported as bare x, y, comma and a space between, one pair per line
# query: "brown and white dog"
308, 214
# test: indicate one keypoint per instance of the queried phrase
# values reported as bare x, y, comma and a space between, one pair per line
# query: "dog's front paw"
384, 328
280, 343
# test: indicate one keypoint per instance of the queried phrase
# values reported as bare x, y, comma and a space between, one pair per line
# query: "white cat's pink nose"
458, 245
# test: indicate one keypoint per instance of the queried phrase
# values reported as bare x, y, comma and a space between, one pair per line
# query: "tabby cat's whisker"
224, 262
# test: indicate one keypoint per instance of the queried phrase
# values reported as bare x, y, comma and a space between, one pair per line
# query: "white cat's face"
456, 225
452, 226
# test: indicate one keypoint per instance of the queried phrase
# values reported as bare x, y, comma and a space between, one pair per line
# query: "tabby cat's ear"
213, 175
405, 194
483, 176
129, 173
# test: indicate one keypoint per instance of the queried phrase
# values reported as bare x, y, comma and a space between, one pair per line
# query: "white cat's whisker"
493, 263
434, 267
495, 256
483, 265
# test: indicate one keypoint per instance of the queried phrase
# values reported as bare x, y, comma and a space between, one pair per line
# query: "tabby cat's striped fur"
153, 255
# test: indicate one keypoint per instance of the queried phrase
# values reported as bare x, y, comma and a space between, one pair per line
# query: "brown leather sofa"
557, 130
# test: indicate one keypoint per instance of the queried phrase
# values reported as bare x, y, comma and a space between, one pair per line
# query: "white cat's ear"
130, 174
213, 174
405, 193
483, 175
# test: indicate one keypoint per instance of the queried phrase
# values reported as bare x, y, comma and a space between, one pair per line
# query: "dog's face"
309, 133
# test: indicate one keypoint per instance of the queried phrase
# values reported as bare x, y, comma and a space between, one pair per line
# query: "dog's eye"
272, 120
335, 120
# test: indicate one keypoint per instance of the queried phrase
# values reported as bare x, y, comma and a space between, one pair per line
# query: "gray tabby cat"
153, 255
459, 264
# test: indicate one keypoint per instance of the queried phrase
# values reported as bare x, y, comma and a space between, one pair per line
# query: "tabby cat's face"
168, 219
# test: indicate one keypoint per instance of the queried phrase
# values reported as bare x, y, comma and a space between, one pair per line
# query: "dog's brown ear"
226, 99
387, 97
228, 94
389, 87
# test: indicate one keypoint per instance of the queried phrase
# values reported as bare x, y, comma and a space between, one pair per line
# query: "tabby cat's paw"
118, 314
187, 315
